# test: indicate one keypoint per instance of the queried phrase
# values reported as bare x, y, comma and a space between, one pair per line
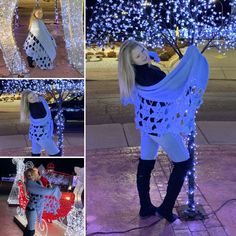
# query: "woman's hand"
153, 55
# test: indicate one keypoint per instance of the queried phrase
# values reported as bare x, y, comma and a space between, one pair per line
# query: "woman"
165, 108
35, 109
39, 200
39, 46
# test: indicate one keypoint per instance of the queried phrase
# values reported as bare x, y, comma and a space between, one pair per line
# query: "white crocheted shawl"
40, 31
41, 128
42, 198
171, 104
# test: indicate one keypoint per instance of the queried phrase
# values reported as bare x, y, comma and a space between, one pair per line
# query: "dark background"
65, 165
90, 3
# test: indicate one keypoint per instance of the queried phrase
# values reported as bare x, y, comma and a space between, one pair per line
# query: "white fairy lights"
75, 222
11, 54
20, 168
72, 19
198, 22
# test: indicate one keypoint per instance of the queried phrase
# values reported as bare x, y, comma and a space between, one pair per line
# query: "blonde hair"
28, 174
24, 106
33, 17
126, 73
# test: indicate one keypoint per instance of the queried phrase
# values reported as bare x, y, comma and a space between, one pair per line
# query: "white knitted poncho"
170, 105
40, 45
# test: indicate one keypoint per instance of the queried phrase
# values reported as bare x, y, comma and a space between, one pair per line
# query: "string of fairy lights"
59, 90
72, 20
156, 24
11, 54
75, 222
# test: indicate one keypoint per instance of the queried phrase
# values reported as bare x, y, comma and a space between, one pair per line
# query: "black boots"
56, 155
35, 154
30, 62
145, 168
28, 232
175, 184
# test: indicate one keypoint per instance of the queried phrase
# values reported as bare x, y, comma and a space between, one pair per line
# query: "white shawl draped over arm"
181, 91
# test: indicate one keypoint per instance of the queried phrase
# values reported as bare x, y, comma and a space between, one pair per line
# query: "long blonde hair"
33, 17
24, 106
126, 73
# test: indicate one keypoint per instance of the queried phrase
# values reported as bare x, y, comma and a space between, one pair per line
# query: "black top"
37, 110
147, 75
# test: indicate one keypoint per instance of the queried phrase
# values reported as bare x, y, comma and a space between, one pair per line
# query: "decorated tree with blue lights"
199, 22
59, 90
204, 23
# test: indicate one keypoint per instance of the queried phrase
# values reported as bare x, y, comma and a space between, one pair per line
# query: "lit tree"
198, 22
59, 90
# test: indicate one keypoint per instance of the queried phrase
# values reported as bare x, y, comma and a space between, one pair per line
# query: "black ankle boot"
35, 154
28, 232
145, 168
30, 62
31, 232
175, 184
56, 155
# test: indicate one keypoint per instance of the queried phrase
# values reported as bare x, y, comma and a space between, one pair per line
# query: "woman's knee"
149, 148
174, 146
51, 147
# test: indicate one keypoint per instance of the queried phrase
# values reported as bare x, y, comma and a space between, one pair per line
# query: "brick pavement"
26, 151
112, 200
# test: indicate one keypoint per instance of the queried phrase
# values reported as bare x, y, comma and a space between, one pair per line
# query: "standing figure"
35, 109
39, 45
165, 109
38, 200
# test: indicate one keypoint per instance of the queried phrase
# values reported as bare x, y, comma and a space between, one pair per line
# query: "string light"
16, 17
72, 20
20, 168
198, 23
56, 12
11, 53
75, 222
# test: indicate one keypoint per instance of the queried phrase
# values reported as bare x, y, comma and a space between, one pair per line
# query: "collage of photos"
117, 117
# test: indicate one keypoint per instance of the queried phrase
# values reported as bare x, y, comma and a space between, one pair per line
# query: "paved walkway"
126, 135
10, 228
112, 199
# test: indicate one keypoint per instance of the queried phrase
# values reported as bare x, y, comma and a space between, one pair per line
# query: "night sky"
62, 164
